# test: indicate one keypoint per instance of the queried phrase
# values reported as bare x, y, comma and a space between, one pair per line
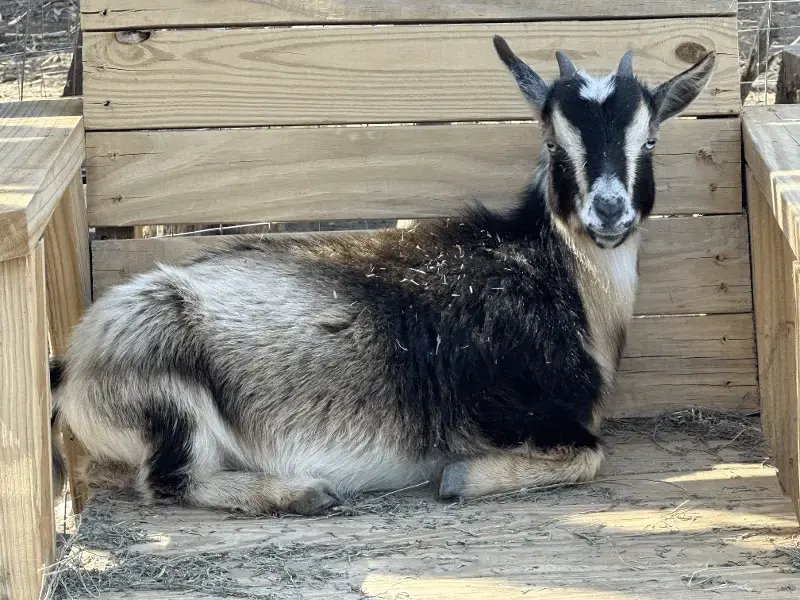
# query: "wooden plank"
671, 363
775, 288
144, 14
788, 88
43, 145
688, 265
69, 292
415, 73
771, 140
667, 533
69, 288
285, 174
27, 542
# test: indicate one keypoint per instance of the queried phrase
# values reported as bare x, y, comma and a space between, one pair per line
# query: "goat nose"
609, 208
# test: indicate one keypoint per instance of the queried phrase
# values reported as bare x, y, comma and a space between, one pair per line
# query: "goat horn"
565, 66
626, 65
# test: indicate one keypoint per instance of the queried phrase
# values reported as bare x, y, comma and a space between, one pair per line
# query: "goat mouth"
609, 240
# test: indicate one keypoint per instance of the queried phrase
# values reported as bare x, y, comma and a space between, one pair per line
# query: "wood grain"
69, 292
129, 14
775, 288
689, 265
671, 363
27, 535
771, 140
658, 516
69, 288
43, 146
287, 174
367, 74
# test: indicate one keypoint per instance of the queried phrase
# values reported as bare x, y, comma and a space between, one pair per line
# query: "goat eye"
551, 146
650, 144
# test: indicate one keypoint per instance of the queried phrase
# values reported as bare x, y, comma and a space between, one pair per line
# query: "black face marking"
602, 126
599, 123
564, 185
644, 187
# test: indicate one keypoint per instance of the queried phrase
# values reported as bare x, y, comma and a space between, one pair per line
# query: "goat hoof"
454, 478
315, 499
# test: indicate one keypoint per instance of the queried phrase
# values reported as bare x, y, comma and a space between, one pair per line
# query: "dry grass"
714, 430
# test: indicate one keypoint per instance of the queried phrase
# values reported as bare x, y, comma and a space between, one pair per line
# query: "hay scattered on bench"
792, 552
102, 556
714, 429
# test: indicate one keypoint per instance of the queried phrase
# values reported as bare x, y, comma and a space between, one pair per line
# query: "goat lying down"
284, 375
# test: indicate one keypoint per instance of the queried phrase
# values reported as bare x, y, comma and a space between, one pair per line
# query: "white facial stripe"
597, 90
569, 138
636, 136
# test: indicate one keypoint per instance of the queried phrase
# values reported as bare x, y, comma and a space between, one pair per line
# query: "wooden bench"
772, 154
203, 112
43, 238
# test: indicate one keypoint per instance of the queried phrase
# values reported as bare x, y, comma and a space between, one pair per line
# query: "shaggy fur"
282, 375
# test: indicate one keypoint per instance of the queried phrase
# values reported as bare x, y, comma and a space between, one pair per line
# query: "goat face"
598, 138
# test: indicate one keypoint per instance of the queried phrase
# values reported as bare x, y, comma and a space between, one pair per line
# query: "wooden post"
68, 294
27, 529
775, 294
788, 90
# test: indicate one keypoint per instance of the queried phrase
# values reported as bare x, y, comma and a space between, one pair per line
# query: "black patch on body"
56, 373
487, 340
170, 433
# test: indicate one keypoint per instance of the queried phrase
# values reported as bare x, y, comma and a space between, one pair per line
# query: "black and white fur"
283, 375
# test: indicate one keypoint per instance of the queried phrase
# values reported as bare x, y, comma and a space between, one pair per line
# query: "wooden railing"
44, 278
772, 153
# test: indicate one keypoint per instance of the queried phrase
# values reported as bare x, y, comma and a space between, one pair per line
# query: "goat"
479, 352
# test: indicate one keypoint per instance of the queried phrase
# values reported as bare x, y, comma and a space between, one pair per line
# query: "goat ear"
673, 96
532, 86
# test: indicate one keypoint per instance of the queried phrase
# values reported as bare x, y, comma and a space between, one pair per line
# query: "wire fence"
37, 41
38, 38
765, 27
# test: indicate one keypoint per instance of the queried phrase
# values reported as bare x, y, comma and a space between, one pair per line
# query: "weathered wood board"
771, 141
671, 363
43, 146
284, 174
667, 521
69, 292
369, 74
26, 500
776, 289
143, 14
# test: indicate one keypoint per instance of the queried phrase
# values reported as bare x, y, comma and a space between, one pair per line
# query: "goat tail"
59, 469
